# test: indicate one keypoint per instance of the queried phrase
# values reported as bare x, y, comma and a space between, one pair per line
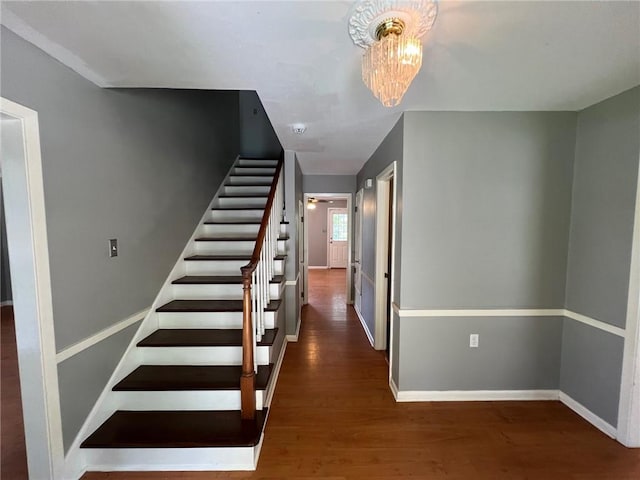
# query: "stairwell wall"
293, 275
133, 164
258, 139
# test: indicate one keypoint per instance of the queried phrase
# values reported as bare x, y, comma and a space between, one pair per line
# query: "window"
339, 227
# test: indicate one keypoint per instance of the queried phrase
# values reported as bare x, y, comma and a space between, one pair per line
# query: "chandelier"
390, 32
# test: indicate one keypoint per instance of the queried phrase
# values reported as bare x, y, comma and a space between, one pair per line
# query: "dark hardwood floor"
13, 465
334, 418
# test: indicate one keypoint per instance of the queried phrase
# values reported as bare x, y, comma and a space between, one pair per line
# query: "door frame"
382, 252
33, 307
357, 260
330, 231
628, 428
334, 196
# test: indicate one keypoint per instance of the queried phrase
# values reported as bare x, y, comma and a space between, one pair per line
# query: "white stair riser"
208, 320
234, 246
240, 229
223, 267
249, 202
242, 190
216, 292
250, 162
183, 400
256, 170
246, 179
171, 459
201, 355
226, 229
252, 215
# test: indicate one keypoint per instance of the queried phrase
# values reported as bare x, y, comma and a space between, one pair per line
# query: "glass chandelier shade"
390, 65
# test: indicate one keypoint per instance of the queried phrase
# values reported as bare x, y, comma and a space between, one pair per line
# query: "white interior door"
357, 265
338, 228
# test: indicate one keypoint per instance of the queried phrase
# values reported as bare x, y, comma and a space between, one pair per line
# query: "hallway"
333, 417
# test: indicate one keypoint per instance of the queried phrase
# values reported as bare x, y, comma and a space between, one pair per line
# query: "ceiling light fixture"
390, 32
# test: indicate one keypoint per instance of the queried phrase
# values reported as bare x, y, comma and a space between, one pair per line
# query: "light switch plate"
113, 247
474, 339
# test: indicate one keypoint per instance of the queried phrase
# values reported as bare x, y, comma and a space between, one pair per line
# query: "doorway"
337, 237
327, 239
22, 186
385, 262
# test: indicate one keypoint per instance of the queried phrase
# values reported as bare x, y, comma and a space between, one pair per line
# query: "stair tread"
169, 378
211, 306
203, 337
243, 256
177, 429
235, 207
247, 184
235, 238
237, 222
249, 174
243, 195
216, 279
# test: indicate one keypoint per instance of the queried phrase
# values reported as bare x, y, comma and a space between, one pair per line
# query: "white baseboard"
318, 267
394, 388
588, 415
7, 303
294, 338
275, 374
364, 326
474, 395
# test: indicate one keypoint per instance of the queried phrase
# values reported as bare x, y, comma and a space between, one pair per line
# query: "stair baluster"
256, 278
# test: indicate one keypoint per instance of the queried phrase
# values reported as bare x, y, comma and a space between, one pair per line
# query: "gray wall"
90, 369
5, 272
137, 165
317, 219
604, 192
485, 203
329, 183
487, 198
257, 136
515, 353
293, 194
390, 150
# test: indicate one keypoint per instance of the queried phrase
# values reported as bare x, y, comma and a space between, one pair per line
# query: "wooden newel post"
248, 378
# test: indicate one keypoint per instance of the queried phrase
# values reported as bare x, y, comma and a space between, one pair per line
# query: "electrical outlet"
113, 247
474, 338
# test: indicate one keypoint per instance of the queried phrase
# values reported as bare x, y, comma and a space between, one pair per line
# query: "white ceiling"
298, 56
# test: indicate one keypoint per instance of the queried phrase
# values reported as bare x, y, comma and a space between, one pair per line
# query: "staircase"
175, 402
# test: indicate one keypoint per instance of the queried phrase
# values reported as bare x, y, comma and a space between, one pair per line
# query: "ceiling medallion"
390, 32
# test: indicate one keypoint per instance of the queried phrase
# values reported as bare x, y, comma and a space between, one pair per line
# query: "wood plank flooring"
13, 464
334, 418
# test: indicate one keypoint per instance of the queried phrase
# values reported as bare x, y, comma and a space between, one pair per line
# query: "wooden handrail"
248, 378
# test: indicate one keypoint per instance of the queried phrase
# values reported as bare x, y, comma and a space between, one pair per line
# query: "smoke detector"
298, 128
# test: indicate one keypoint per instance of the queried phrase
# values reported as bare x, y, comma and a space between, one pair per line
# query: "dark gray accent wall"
486, 205
592, 368
514, 353
91, 369
137, 165
603, 206
318, 233
329, 183
5, 271
258, 139
604, 194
